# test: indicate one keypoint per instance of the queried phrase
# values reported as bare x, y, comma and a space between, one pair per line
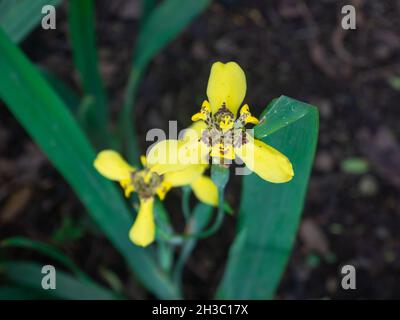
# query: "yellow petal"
176, 155
186, 176
205, 112
163, 157
163, 189
142, 232
111, 165
143, 160
265, 161
205, 190
246, 115
227, 84
194, 132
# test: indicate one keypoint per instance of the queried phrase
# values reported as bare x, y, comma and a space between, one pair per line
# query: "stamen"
246, 117
143, 160
226, 124
204, 113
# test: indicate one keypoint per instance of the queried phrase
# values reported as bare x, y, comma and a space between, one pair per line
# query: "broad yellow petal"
142, 232
265, 161
164, 157
186, 176
227, 84
205, 190
176, 155
111, 165
194, 132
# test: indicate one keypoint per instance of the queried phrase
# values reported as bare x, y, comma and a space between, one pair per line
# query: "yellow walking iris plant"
146, 183
223, 135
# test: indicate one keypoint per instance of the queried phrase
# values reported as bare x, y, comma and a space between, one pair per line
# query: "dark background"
295, 48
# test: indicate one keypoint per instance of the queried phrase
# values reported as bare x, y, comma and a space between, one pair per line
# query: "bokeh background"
295, 48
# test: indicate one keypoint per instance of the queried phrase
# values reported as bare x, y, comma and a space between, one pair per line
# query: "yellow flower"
147, 183
222, 133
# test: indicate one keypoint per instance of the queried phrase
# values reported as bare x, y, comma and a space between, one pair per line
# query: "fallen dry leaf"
383, 151
313, 237
15, 204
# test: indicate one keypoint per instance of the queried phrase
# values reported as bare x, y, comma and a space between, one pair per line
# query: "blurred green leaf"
83, 41
46, 250
68, 232
163, 224
112, 279
21, 293
42, 113
29, 274
66, 93
270, 213
395, 83
19, 17
154, 35
147, 8
355, 165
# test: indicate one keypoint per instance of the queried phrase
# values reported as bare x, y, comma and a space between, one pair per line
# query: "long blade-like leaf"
270, 213
20, 293
19, 17
41, 112
64, 91
165, 22
29, 274
47, 250
83, 41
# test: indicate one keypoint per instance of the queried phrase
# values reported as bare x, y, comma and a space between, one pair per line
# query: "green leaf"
20, 293
19, 17
69, 231
270, 213
147, 8
29, 274
153, 37
48, 121
66, 93
355, 165
395, 82
83, 41
46, 250
280, 113
163, 224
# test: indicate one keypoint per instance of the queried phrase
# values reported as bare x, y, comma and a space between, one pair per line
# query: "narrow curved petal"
163, 189
205, 190
186, 176
265, 161
227, 84
111, 165
142, 232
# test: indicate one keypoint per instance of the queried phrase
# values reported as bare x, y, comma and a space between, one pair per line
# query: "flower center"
223, 133
146, 183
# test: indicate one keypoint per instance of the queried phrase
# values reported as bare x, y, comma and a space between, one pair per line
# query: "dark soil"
286, 47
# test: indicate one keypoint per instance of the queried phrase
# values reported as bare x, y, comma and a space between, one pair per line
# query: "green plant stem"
186, 250
178, 239
186, 191
126, 125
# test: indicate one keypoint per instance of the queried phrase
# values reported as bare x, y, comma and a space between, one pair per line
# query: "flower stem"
186, 190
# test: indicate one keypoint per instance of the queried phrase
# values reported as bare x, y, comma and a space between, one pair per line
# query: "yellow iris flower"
222, 132
147, 184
